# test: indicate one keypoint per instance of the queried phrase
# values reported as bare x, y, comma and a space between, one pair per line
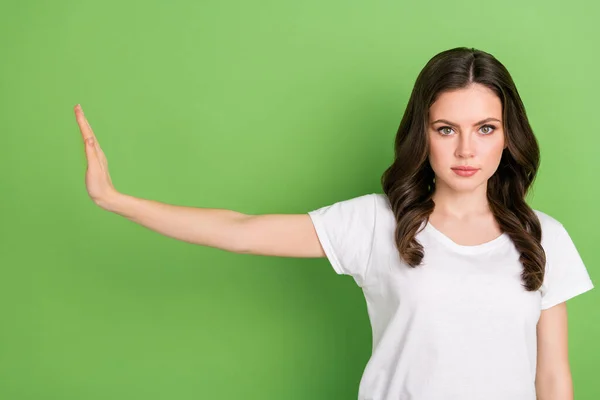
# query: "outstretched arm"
284, 235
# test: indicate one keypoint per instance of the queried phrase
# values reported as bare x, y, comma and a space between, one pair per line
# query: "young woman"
465, 284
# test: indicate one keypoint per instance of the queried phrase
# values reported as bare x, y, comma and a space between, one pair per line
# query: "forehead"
466, 105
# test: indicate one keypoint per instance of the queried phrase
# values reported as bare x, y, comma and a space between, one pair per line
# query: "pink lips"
465, 170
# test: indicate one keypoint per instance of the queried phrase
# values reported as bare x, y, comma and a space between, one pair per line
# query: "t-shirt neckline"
441, 237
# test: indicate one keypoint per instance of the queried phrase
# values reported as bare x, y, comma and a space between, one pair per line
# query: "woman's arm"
553, 378
284, 235
212, 227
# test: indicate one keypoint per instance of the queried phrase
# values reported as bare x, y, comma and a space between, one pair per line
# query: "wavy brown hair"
409, 182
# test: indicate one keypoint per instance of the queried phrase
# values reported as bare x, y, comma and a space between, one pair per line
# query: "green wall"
260, 107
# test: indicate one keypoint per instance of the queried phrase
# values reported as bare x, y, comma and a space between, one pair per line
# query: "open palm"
97, 178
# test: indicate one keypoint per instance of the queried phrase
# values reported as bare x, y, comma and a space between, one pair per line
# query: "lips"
465, 168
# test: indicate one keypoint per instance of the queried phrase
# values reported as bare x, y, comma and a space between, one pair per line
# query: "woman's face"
471, 135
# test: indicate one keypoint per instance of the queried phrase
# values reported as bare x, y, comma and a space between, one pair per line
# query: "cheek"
440, 148
439, 155
492, 153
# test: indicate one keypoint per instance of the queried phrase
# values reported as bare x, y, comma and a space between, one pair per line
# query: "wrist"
112, 202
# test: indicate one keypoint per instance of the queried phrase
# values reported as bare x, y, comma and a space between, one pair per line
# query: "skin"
462, 211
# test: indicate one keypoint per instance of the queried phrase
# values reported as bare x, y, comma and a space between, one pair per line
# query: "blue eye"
493, 128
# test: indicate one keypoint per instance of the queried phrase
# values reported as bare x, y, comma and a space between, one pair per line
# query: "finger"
84, 126
100, 156
91, 153
94, 152
100, 153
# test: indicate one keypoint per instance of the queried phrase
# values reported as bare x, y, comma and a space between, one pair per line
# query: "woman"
465, 284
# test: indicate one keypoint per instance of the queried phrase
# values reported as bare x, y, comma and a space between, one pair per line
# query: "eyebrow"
483, 121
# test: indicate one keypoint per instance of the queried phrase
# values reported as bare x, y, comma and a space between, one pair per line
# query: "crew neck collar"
479, 248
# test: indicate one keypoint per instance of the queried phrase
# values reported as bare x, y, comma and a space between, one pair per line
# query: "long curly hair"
409, 182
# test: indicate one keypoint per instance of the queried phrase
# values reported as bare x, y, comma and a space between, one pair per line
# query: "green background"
260, 107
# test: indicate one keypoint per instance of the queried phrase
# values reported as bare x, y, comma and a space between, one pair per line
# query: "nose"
465, 148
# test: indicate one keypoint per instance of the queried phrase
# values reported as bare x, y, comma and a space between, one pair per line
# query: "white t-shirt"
458, 327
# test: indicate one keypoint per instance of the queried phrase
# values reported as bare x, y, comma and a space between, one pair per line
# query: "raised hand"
97, 178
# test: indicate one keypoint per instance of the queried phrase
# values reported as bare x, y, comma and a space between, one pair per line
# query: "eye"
493, 128
440, 130
490, 130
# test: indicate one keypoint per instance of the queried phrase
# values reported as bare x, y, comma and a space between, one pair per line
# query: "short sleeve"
346, 230
566, 275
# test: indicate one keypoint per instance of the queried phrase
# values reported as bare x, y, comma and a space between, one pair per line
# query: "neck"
463, 204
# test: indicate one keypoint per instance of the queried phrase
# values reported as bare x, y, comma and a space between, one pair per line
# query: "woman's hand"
97, 179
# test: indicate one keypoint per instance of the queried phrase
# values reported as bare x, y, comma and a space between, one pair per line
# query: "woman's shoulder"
547, 220
551, 226
381, 200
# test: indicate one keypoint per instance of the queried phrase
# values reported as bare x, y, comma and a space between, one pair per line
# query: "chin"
463, 184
